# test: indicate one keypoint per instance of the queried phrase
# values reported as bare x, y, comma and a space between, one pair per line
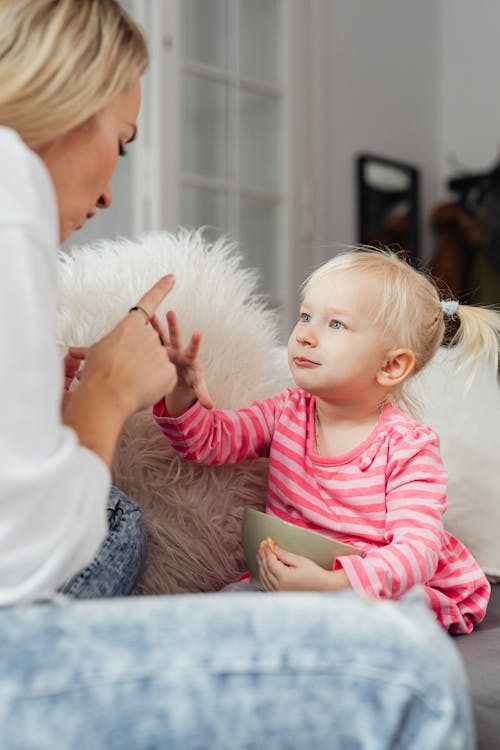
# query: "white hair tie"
449, 306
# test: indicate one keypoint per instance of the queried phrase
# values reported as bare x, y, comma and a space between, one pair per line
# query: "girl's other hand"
285, 571
72, 362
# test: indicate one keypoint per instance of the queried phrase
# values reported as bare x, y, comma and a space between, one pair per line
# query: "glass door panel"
260, 163
204, 207
259, 34
204, 124
205, 27
232, 129
259, 235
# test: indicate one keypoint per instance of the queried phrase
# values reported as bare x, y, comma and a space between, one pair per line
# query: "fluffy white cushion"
192, 513
467, 420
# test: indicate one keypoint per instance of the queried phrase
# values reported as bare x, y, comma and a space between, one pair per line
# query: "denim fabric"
241, 671
120, 561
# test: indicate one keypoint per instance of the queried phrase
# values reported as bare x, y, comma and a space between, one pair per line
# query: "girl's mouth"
303, 362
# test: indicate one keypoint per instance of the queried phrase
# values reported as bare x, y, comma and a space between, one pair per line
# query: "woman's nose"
105, 199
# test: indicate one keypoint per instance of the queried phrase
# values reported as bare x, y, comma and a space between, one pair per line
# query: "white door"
227, 132
234, 134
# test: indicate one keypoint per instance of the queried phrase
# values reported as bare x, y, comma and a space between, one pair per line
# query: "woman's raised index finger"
155, 296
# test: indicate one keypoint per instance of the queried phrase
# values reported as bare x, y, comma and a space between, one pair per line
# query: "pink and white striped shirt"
387, 496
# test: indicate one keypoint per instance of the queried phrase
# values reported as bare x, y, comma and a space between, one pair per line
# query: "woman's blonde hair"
61, 61
409, 312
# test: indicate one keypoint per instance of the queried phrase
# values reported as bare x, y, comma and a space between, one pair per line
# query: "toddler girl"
345, 459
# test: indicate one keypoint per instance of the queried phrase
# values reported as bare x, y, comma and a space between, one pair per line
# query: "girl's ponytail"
477, 335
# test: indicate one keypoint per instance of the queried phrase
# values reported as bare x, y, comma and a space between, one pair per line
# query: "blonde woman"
69, 104
177, 672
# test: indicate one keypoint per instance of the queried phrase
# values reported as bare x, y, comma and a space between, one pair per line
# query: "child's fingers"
78, 352
288, 558
71, 367
174, 332
266, 583
160, 330
265, 559
68, 380
194, 346
264, 576
273, 565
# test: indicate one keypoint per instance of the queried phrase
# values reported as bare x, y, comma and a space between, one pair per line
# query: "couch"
480, 652
193, 514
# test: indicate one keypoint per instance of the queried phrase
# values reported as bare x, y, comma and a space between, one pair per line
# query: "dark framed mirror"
388, 204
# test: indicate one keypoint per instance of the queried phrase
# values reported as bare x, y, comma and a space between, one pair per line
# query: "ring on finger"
142, 310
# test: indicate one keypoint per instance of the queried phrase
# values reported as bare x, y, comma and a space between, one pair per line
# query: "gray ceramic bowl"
317, 547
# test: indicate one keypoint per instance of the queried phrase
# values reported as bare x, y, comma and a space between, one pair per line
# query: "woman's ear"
399, 364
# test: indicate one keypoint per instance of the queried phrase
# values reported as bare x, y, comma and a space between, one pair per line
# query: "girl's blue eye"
122, 151
305, 317
337, 325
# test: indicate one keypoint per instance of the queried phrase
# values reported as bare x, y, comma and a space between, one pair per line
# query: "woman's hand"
127, 370
131, 358
284, 571
191, 382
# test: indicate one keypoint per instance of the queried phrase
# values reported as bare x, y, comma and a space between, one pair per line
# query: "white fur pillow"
192, 513
468, 424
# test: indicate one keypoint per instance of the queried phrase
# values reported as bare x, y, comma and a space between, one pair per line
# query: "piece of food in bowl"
268, 542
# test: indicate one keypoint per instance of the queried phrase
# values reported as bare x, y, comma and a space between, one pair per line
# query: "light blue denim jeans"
118, 564
230, 671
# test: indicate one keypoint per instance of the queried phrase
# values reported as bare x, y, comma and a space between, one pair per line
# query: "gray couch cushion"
481, 653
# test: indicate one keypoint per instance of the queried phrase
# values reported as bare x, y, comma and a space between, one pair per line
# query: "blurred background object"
256, 111
388, 204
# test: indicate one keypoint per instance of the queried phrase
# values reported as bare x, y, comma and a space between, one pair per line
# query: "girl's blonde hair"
61, 61
410, 315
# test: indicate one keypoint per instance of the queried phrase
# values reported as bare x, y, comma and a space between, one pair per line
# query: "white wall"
383, 96
416, 80
470, 102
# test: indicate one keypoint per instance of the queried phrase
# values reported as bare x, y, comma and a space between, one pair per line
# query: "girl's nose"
306, 338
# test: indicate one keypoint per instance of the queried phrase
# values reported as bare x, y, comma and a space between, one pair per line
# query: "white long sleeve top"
52, 490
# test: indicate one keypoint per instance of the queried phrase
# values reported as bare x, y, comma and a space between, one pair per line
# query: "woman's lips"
303, 362
88, 216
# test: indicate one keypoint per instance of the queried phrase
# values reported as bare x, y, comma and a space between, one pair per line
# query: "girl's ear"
399, 364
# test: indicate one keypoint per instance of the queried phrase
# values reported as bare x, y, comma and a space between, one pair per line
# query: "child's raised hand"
190, 369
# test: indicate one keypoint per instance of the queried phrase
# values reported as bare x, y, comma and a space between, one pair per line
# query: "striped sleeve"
214, 437
415, 502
